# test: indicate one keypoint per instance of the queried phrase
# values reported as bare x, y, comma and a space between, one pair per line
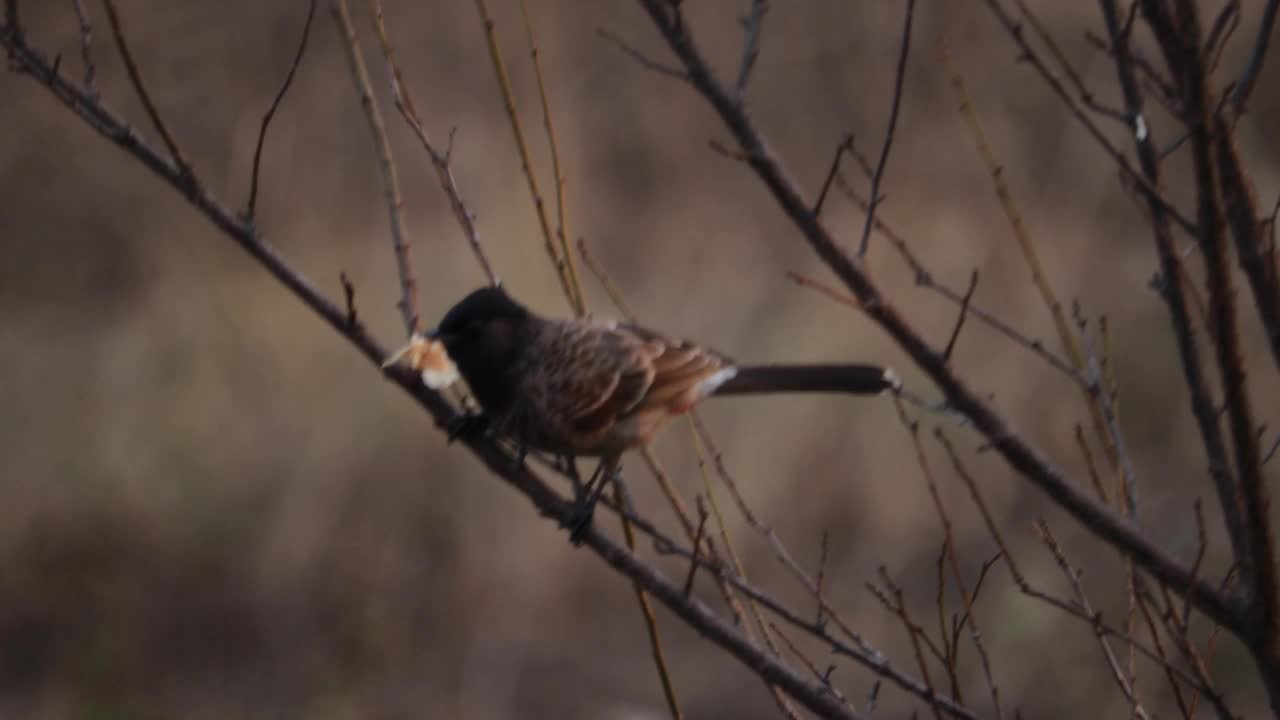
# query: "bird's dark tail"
855, 379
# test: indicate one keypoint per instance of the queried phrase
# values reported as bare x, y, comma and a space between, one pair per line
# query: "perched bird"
579, 387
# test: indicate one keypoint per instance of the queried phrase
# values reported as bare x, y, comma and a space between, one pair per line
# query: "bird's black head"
484, 334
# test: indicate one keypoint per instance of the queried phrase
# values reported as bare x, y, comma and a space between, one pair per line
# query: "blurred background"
212, 507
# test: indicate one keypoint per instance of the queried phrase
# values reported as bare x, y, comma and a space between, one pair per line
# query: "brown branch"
275, 104
1256, 255
812, 695
440, 161
408, 302
1173, 273
139, 87
899, 79
1261, 571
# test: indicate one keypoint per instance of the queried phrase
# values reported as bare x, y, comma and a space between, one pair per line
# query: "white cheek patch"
715, 380
429, 358
440, 378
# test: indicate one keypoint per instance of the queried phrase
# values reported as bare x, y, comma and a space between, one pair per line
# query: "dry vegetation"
211, 507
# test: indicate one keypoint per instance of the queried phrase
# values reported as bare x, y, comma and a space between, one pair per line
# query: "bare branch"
275, 103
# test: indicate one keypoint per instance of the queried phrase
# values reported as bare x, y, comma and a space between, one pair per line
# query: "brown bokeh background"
212, 507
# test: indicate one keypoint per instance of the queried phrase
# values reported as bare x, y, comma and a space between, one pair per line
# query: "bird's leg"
585, 505
467, 426
566, 465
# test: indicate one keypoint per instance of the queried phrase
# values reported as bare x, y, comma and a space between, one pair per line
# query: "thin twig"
86, 46
135, 78
964, 312
845, 145
610, 289
558, 262
751, 25
697, 545
899, 79
349, 297
1073, 578
925, 279
914, 632
646, 608
640, 58
408, 302
1257, 57
275, 103
562, 227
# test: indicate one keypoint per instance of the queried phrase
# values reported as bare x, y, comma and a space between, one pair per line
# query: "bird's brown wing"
605, 372
679, 367
588, 374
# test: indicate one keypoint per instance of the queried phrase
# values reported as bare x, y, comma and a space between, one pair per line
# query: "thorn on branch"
349, 295
271, 111
964, 312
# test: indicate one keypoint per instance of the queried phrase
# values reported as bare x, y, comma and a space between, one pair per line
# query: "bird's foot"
467, 426
580, 516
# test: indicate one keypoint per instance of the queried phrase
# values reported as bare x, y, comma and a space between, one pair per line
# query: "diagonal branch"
813, 695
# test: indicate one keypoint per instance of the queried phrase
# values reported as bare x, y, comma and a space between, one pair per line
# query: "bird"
580, 387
